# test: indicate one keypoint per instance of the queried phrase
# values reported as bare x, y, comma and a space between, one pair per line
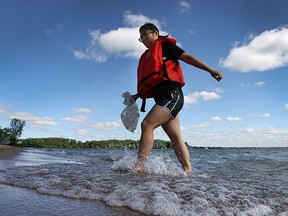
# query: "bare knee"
146, 126
176, 139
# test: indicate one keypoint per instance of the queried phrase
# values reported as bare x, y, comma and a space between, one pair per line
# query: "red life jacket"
152, 69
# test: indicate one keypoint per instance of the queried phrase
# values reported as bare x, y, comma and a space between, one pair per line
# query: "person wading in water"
160, 77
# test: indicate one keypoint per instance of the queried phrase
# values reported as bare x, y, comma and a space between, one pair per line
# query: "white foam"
258, 210
159, 165
283, 213
124, 164
144, 198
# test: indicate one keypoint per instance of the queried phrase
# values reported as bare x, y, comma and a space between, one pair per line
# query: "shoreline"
8, 152
9, 147
23, 201
17, 200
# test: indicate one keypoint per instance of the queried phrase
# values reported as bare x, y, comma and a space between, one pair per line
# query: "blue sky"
65, 63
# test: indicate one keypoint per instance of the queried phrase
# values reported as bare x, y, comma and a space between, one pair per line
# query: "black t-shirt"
170, 51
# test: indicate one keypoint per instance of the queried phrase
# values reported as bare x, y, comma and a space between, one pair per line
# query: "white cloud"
106, 125
80, 132
286, 106
81, 55
3, 109
136, 20
202, 125
191, 31
203, 95
217, 118
33, 120
264, 115
79, 118
260, 84
184, 6
93, 51
76, 119
57, 30
219, 90
30, 119
257, 84
121, 42
234, 119
183, 128
245, 84
249, 137
83, 110
267, 51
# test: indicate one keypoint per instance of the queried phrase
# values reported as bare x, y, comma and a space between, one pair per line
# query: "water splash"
156, 164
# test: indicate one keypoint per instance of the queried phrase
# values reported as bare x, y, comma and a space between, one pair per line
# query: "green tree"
4, 135
16, 129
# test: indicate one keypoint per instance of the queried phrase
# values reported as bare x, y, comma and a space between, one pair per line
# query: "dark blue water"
250, 181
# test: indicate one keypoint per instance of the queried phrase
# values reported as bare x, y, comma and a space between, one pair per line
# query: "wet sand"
7, 151
22, 201
8, 156
25, 202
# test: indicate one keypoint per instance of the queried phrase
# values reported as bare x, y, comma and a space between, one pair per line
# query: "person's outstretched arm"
189, 59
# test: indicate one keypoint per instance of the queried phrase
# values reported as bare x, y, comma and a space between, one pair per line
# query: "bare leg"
172, 128
156, 117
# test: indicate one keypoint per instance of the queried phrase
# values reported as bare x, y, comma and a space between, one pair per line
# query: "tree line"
12, 136
58, 142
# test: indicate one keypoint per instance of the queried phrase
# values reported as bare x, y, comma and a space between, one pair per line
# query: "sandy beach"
7, 151
7, 148
8, 156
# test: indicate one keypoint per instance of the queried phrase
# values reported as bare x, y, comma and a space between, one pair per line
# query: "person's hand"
135, 97
216, 75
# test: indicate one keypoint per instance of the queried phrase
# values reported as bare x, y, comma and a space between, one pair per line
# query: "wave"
161, 189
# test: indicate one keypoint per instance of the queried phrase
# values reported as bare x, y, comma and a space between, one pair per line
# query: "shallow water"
224, 181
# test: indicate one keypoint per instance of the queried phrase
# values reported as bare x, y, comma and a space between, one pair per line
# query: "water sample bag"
130, 114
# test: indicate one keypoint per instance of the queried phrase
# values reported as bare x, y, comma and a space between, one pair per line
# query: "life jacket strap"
147, 77
143, 105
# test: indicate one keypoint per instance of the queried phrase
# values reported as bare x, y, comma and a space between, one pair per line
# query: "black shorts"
172, 100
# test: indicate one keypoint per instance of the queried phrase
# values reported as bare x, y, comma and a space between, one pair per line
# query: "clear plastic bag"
130, 114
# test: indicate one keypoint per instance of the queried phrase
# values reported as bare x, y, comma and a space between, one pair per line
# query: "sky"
64, 65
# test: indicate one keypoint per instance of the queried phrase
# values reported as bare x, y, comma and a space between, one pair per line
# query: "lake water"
233, 181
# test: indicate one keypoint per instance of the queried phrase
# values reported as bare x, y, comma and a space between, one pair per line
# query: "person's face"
148, 37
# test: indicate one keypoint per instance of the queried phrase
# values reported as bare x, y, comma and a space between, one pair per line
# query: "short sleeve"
171, 51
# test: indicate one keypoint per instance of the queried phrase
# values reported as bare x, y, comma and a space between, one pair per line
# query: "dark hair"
152, 27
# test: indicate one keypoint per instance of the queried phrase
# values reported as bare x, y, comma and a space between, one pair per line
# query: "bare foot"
188, 170
138, 166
